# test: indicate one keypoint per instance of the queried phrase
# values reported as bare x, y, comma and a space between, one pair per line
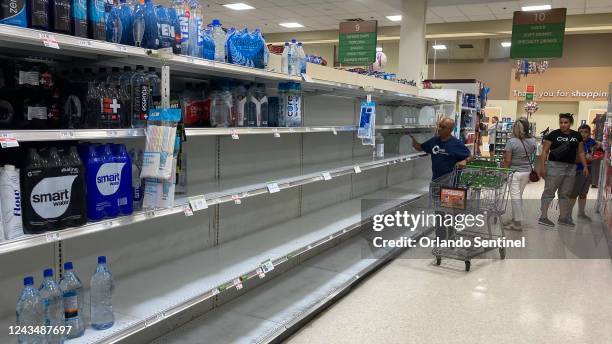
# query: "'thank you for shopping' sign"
538, 34
358, 43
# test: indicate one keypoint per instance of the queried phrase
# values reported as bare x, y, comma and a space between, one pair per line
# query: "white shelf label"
122, 48
369, 98
85, 43
49, 40
273, 188
334, 131
306, 77
276, 133
357, 169
112, 133
198, 203
67, 134
53, 237
236, 199
154, 319
215, 291
8, 142
267, 266
187, 210
237, 284
260, 273
234, 134
326, 176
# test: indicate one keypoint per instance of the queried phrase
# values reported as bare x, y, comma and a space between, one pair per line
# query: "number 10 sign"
538, 34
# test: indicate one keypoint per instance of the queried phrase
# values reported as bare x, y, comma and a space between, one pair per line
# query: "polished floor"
410, 300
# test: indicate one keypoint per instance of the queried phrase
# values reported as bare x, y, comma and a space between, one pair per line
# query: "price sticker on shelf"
357, 169
112, 133
122, 48
236, 199
369, 98
85, 43
238, 284
276, 133
215, 291
53, 237
234, 134
273, 188
8, 142
260, 273
267, 266
49, 40
198, 203
326, 176
187, 210
334, 131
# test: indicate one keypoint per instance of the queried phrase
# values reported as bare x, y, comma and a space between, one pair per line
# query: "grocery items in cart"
73, 296
100, 291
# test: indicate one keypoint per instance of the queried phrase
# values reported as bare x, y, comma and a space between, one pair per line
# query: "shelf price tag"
85, 43
198, 203
326, 176
49, 40
215, 291
260, 272
369, 98
238, 284
122, 48
334, 131
306, 77
236, 199
53, 237
267, 266
187, 210
67, 134
8, 142
276, 133
357, 169
273, 188
234, 134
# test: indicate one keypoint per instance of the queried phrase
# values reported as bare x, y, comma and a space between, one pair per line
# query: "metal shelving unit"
501, 137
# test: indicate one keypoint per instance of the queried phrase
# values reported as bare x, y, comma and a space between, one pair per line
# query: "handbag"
533, 175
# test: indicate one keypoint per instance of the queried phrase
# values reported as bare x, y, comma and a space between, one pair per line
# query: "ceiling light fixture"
239, 6
395, 18
291, 25
439, 46
506, 44
536, 8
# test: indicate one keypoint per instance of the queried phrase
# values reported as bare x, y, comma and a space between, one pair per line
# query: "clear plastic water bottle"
221, 106
218, 36
293, 104
126, 16
114, 26
155, 84
195, 46
140, 98
301, 58
257, 106
380, 146
101, 285
239, 103
72, 290
53, 302
151, 31
138, 24
183, 14
285, 59
30, 312
293, 60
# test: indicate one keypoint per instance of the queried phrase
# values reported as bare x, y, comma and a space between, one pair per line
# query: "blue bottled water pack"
246, 48
13, 12
108, 175
78, 18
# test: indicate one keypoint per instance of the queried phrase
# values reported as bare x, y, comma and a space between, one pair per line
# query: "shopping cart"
476, 190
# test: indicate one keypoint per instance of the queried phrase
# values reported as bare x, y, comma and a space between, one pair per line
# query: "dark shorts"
581, 184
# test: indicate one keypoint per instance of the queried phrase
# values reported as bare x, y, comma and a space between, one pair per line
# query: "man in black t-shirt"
562, 147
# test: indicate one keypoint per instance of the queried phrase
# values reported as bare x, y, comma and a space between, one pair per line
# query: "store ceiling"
327, 14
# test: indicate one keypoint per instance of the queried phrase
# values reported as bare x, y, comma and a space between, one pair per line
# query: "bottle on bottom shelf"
101, 289
72, 291
53, 303
30, 312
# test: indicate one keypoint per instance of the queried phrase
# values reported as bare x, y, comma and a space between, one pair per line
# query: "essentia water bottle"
141, 97
101, 285
72, 290
30, 312
53, 303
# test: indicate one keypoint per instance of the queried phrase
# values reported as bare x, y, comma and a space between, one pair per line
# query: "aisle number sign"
357, 43
538, 34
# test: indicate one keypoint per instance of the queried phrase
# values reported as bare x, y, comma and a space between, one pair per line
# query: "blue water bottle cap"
216, 22
28, 280
300, 44
293, 40
68, 266
286, 44
48, 273
102, 260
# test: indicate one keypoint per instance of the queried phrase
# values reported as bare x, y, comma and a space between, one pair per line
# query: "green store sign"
357, 43
538, 34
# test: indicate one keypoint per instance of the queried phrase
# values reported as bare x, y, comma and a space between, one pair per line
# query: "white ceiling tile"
285, 3
445, 11
456, 19
482, 17
258, 3
590, 10
504, 7
475, 10
504, 15
281, 13
353, 6
569, 4
306, 11
598, 3
434, 20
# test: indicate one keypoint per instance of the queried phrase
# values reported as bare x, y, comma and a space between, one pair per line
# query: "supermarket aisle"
511, 301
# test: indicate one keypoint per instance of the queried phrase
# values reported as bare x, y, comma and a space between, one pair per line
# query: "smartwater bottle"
72, 290
101, 285
30, 312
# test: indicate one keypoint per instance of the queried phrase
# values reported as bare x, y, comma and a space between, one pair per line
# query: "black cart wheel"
467, 265
438, 260
502, 252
